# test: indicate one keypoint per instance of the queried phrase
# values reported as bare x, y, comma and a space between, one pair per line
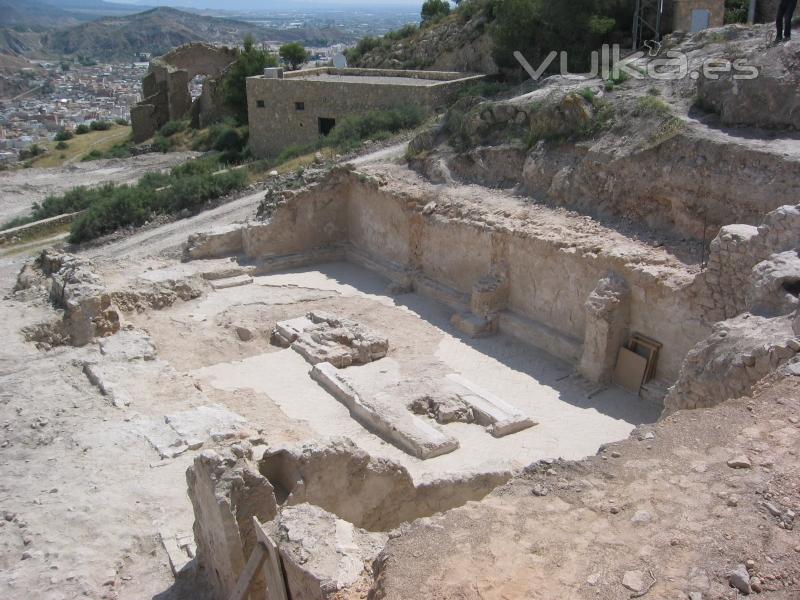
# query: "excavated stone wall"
546, 278
300, 494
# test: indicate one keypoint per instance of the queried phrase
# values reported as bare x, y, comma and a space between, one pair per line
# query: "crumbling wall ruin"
300, 493
165, 88
74, 287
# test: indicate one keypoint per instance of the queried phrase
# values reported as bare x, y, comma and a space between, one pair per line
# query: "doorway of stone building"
326, 125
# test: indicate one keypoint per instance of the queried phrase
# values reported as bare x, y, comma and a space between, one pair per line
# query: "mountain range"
60, 32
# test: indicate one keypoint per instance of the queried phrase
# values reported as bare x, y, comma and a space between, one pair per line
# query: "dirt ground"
22, 187
664, 502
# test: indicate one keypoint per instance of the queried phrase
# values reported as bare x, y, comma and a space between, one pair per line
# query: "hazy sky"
264, 4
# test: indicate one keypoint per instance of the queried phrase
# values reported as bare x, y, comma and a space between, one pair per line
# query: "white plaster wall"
455, 254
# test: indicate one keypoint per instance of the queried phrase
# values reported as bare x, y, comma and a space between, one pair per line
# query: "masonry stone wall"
165, 88
682, 13
721, 293
277, 121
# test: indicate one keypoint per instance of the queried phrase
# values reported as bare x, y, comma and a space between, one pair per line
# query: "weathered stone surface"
166, 88
321, 553
375, 494
226, 493
764, 101
323, 337
607, 322
775, 285
390, 420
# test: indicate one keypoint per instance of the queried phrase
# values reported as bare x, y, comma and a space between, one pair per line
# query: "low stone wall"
36, 229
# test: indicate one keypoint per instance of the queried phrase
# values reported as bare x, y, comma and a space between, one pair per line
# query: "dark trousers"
785, 14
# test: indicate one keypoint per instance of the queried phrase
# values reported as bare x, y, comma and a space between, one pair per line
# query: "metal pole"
751, 14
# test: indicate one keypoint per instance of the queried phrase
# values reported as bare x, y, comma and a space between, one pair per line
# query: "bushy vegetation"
293, 55
100, 125
537, 27
82, 129
251, 61
62, 145
484, 89
651, 106
351, 131
172, 127
433, 10
109, 207
64, 135
736, 11
226, 138
31, 152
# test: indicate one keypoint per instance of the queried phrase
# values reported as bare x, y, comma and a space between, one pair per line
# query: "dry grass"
81, 145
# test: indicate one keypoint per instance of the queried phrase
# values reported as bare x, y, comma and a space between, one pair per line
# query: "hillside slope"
159, 30
460, 42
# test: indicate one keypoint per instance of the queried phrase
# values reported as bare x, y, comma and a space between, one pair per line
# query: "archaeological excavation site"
545, 346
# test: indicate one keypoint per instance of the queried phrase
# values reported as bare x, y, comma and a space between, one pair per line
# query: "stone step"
231, 282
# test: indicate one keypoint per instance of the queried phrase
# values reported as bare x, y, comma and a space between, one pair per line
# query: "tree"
435, 9
537, 27
251, 61
293, 54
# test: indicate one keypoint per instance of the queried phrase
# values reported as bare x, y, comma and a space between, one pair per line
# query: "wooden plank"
630, 370
649, 348
276, 584
245, 581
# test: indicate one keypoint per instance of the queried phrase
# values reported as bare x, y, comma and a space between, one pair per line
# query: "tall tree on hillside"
434, 9
251, 61
293, 54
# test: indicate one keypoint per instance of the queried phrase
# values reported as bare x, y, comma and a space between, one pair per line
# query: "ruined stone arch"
166, 88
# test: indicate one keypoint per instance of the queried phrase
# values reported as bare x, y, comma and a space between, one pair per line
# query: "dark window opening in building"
299, 105
326, 125
260, 103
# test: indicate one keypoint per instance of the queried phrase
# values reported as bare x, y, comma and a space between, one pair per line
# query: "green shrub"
81, 129
251, 61
100, 126
92, 155
162, 144
171, 128
537, 27
31, 152
351, 131
63, 136
62, 145
111, 207
121, 121
736, 11
483, 89
433, 10
651, 106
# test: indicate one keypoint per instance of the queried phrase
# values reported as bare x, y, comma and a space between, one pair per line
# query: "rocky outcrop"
728, 364
458, 43
322, 554
769, 100
75, 288
227, 491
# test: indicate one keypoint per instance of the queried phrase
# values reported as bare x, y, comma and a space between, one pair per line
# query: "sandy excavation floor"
571, 425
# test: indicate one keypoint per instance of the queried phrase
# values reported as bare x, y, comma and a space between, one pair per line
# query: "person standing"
784, 22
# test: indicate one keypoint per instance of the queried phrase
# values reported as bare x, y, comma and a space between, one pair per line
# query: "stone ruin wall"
165, 88
543, 284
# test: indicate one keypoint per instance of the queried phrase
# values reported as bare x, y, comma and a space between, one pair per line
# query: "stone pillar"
607, 318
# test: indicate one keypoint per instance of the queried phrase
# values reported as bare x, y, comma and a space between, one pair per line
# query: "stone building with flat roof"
296, 108
695, 15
